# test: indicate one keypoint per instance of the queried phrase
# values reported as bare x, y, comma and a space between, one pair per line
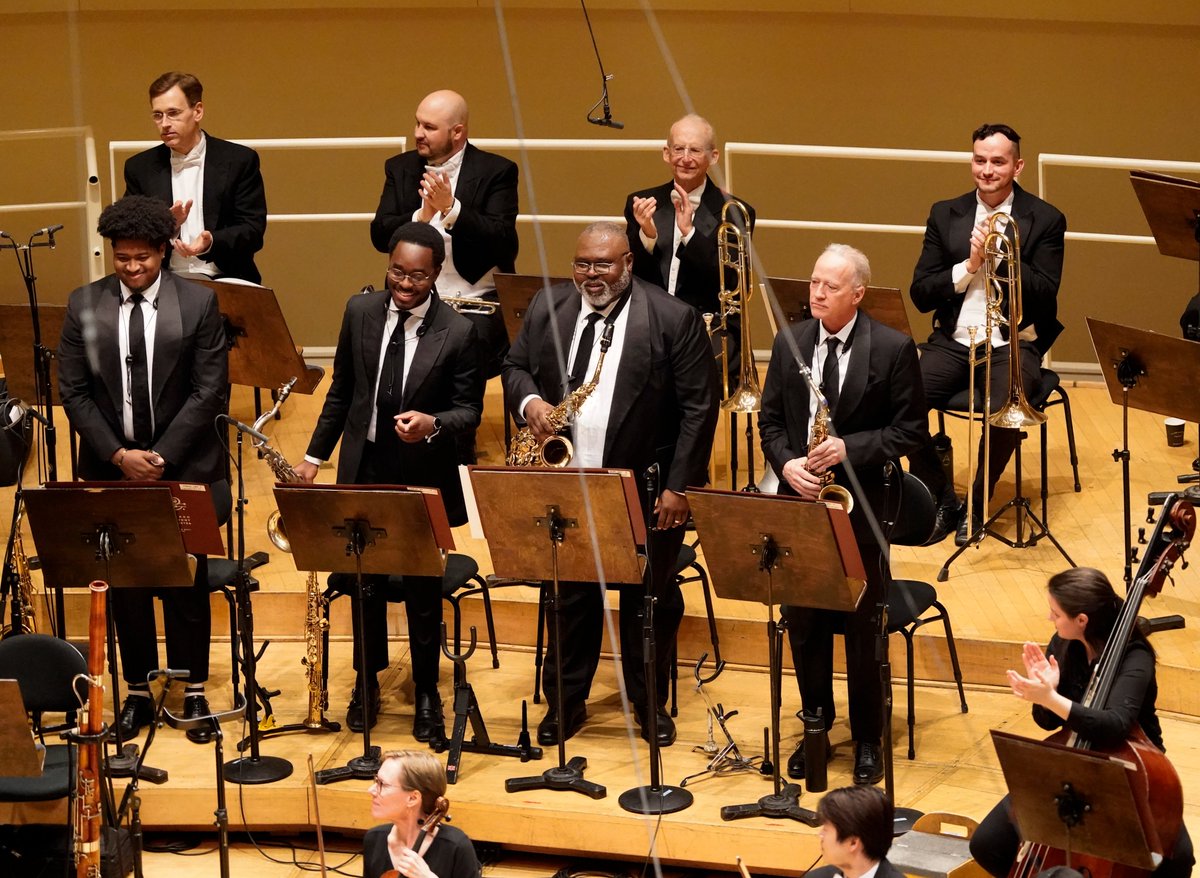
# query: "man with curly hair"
142, 373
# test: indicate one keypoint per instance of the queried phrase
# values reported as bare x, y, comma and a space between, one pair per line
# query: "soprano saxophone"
315, 605
556, 451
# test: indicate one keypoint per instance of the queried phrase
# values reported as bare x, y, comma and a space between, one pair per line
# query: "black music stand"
360, 529
1151, 372
127, 537
772, 549
527, 516
1073, 800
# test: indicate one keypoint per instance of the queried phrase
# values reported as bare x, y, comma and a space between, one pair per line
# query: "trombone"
1001, 279
468, 305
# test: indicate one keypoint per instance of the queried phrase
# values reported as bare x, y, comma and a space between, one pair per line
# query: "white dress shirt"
150, 321
820, 353
187, 182
678, 238
974, 309
450, 282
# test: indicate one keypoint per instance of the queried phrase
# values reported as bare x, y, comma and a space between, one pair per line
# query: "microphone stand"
41, 377
657, 798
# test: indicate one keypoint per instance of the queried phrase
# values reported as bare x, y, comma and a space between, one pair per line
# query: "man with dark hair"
137, 329
470, 197
856, 834
949, 281
214, 186
872, 385
406, 382
655, 402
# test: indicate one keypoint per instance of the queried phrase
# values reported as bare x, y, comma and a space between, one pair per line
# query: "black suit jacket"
699, 279
664, 406
485, 233
886, 870
235, 202
880, 413
1042, 229
189, 381
444, 380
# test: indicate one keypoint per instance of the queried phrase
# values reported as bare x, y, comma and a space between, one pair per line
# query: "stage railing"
89, 203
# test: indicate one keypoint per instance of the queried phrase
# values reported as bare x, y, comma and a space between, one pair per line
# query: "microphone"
244, 428
15, 410
607, 122
49, 233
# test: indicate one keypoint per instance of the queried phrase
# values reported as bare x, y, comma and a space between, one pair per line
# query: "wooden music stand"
772, 549
556, 524
885, 304
1172, 208
516, 291
16, 348
1073, 800
20, 755
360, 529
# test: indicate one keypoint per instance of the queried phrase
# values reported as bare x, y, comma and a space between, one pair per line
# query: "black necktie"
391, 385
583, 353
829, 373
139, 376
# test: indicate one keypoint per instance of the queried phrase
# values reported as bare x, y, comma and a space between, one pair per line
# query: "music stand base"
905, 819
264, 769
665, 799
124, 765
568, 778
359, 768
325, 726
785, 804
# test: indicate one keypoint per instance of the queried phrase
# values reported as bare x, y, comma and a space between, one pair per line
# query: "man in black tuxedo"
949, 281
470, 197
672, 228
869, 374
655, 402
214, 186
856, 834
406, 382
149, 418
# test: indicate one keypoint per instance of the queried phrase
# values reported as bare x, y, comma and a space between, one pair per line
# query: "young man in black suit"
469, 196
856, 834
105, 378
406, 382
655, 402
214, 186
869, 374
949, 281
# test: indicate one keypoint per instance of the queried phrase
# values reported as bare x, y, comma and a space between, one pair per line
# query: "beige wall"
1106, 86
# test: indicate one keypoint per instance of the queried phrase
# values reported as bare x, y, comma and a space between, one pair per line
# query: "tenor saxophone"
316, 619
19, 584
556, 451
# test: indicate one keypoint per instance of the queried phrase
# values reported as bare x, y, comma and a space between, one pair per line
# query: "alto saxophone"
19, 584
316, 619
556, 451
829, 489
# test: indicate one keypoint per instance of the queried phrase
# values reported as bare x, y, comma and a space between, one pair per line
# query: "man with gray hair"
655, 403
870, 379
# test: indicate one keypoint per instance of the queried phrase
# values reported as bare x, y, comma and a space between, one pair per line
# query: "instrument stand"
364, 529
727, 759
255, 768
466, 707
820, 569
1038, 529
521, 509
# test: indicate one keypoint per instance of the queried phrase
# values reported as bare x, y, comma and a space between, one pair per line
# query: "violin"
1157, 791
441, 809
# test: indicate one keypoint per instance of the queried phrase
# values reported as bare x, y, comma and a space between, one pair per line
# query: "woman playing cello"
1084, 609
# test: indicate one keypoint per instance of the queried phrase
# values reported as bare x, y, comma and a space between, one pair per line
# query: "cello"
1154, 782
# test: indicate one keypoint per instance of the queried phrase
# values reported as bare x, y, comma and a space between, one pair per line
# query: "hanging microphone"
606, 120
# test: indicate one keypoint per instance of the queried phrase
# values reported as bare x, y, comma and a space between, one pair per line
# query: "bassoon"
88, 815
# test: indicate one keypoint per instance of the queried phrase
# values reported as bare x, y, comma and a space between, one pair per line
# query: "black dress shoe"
428, 723
868, 764
195, 706
547, 732
795, 765
666, 728
354, 710
136, 713
964, 530
949, 512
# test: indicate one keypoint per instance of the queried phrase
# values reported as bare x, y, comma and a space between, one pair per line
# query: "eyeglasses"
416, 278
171, 114
383, 786
583, 267
693, 152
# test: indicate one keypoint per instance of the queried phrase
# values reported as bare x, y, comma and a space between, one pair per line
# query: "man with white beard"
655, 402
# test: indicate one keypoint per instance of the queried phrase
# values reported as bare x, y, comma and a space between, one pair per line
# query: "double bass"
1157, 792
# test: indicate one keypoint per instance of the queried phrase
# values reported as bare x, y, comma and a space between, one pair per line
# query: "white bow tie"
179, 162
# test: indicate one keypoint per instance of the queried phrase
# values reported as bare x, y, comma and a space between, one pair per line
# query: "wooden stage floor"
995, 595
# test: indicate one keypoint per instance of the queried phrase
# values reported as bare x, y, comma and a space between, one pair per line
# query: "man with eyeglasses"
470, 197
406, 381
672, 228
655, 402
137, 329
214, 187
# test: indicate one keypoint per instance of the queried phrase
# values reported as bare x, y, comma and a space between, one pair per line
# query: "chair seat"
687, 557
55, 782
908, 599
460, 569
1047, 382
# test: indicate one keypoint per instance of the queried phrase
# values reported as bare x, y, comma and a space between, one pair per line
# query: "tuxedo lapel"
806, 340
107, 315
664, 222
215, 181
371, 334
708, 215
855, 382
168, 336
429, 349
564, 311
962, 220
468, 177
637, 356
